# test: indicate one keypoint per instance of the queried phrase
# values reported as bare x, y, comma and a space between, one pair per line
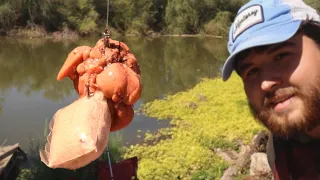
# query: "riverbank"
212, 115
39, 32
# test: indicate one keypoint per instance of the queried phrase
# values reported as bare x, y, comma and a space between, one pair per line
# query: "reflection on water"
30, 93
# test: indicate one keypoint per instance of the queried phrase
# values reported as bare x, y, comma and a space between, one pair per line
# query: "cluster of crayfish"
108, 67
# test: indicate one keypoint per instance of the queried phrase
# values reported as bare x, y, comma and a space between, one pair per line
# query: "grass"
212, 114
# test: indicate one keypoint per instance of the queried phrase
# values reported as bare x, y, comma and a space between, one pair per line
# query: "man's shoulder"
282, 146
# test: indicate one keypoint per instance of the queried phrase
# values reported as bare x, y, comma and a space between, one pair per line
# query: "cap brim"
268, 35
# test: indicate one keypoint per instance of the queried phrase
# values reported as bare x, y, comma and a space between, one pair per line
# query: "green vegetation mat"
213, 114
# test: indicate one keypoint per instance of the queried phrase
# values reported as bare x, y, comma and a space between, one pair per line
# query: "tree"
181, 17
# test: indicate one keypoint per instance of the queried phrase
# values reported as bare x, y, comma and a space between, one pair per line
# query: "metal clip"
106, 37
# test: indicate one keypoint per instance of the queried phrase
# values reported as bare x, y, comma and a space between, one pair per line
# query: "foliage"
6, 15
81, 16
219, 26
190, 17
213, 114
314, 3
181, 17
125, 16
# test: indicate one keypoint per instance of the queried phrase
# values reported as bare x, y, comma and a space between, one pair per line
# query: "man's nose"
271, 79
270, 85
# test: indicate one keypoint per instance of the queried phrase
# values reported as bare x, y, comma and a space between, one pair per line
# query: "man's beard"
280, 124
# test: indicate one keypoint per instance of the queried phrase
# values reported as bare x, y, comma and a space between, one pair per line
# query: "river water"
30, 93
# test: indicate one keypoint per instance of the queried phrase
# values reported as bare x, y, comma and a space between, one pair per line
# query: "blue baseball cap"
263, 22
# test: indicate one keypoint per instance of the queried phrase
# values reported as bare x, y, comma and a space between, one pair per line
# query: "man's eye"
281, 55
251, 72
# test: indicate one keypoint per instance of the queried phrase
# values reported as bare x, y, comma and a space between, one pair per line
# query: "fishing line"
107, 14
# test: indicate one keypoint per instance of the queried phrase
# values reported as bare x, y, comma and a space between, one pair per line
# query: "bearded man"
274, 47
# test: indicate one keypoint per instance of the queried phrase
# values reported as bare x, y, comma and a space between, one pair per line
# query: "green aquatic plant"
213, 114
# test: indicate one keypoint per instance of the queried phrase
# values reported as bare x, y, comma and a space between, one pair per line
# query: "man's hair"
309, 28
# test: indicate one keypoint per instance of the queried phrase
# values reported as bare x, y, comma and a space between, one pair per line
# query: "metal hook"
107, 32
88, 90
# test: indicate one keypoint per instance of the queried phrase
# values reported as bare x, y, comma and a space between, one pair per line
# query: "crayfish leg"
74, 58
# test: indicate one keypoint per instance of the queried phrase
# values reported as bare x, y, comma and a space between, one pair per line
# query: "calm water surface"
30, 93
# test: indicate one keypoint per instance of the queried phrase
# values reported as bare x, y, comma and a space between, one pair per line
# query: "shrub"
6, 16
219, 26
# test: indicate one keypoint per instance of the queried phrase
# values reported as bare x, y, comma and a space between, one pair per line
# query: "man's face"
282, 84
